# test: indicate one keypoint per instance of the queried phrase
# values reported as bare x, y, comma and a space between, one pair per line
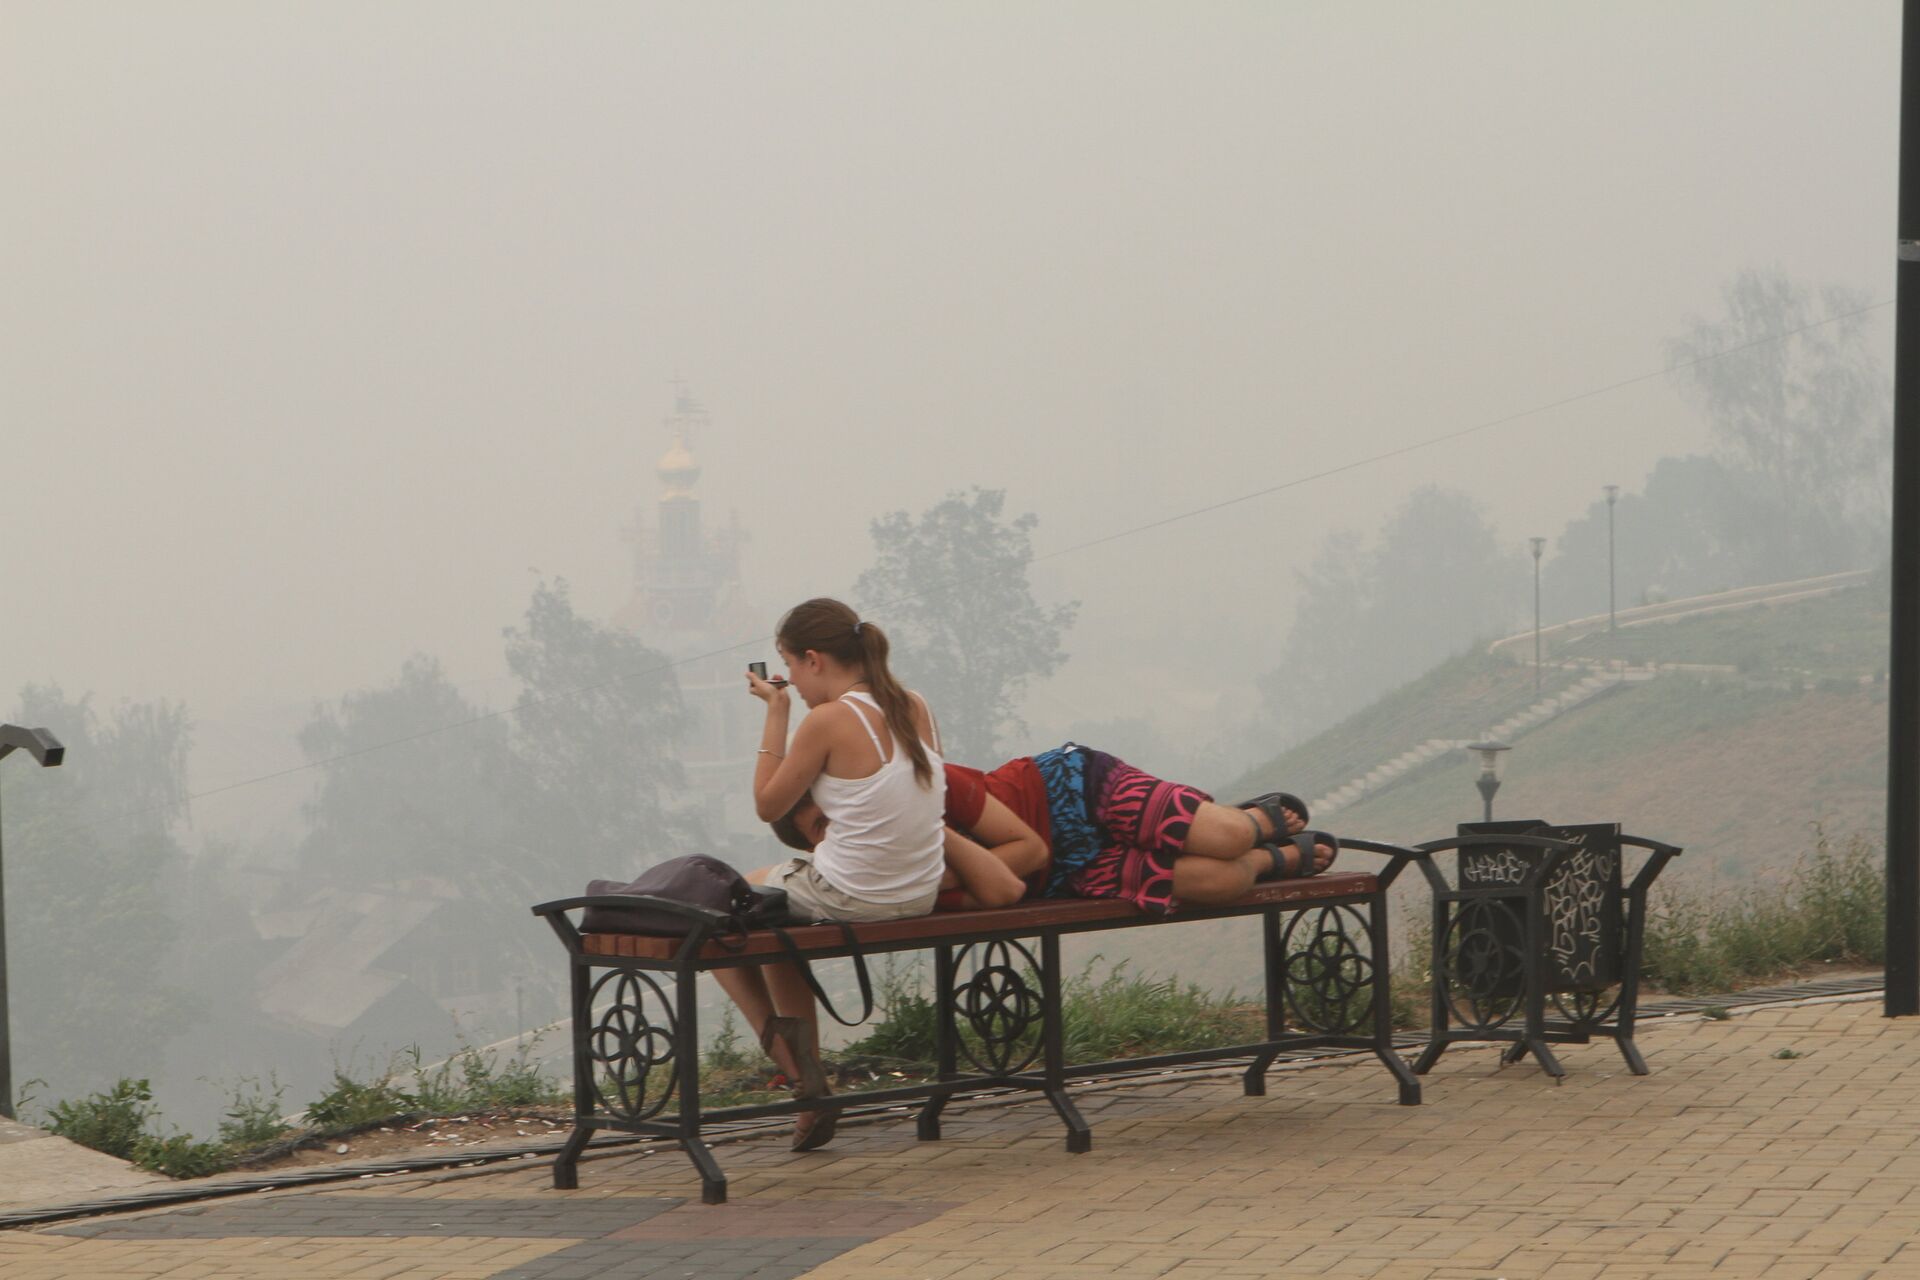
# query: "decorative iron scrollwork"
1484, 968
1329, 977
999, 1006
626, 1043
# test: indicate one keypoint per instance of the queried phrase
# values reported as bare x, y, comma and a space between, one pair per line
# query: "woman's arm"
783, 771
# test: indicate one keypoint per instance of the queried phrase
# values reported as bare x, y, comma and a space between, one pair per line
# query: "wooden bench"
636, 1043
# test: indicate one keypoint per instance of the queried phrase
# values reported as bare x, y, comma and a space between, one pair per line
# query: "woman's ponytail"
893, 700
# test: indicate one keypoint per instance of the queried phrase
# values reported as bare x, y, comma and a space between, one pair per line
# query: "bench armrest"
1399, 854
1660, 854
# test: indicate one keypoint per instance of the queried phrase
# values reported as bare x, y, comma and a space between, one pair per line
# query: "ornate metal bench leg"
927, 1122
686, 1051
1383, 1004
1079, 1134
1513, 1053
1548, 1063
946, 1057
1635, 1063
713, 1183
1429, 1056
1254, 1082
566, 1171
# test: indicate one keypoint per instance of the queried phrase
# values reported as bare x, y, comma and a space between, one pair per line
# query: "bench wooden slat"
959, 925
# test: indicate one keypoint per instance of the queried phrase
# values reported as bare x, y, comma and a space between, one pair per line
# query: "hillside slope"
1734, 767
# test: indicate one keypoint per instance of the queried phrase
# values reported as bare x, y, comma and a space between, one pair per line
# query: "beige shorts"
810, 897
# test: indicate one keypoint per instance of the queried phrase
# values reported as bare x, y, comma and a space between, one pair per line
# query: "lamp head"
40, 743
1489, 753
1613, 492
1539, 545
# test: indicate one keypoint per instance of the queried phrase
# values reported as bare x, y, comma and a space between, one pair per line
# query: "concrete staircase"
1385, 775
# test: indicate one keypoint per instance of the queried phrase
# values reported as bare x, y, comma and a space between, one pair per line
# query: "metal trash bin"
1537, 939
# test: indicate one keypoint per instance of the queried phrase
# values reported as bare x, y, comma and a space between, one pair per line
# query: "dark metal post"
1903, 662
1613, 492
6, 1037
1539, 545
46, 749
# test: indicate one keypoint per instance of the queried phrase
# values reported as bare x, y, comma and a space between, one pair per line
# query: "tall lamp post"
1903, 660
1613, 494
1539, 545
45, 748
1489, 779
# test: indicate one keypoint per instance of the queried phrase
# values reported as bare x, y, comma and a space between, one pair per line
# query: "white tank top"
884, 840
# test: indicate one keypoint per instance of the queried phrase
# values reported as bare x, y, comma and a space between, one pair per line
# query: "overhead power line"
759, 642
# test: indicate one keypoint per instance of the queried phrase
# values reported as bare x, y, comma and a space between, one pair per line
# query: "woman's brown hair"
829, 627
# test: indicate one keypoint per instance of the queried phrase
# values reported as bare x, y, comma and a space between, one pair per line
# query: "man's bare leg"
1220, 832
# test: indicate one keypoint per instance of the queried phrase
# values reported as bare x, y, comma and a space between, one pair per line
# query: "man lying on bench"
1075, 822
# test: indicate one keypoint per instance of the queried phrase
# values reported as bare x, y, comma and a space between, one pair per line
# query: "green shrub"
905, 1017
354, 1104
1830, 908
113, 1122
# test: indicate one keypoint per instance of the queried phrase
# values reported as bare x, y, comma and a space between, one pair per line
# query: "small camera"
760, 669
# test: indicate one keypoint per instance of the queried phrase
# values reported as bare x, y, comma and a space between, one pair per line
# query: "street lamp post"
1539, 545
1489, 779
47, 750
1613, 493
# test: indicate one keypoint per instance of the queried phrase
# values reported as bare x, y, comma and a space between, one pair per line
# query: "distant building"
686, 602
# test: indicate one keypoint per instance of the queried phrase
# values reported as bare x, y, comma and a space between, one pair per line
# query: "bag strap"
813, 983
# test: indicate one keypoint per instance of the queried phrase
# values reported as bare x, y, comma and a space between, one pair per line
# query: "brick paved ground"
1727, 1161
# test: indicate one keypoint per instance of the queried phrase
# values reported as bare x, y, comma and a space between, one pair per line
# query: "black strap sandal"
1276, 805
1304, 851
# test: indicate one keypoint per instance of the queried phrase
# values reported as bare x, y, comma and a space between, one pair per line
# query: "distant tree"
950, 589
415, 780
1315, 683
1686, 533
1369, 620
1800, 409
596, 747
90, 849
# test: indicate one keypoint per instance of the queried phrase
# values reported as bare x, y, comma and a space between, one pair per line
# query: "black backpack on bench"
710, 884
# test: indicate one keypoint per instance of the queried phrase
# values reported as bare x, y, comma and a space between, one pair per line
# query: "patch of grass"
1830, 908
181, 1156
1788, 1053
253, 1115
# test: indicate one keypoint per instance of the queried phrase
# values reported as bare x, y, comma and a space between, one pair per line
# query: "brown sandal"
811, 1129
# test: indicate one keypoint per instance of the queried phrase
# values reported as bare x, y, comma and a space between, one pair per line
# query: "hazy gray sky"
324, 323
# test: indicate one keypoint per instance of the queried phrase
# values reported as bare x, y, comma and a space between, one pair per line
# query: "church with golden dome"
686, 602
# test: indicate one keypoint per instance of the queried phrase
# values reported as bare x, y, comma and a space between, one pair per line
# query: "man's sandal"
1276, 805
1303, 848
811, 1129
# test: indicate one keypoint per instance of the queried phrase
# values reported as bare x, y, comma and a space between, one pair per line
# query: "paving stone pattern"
1729, 1161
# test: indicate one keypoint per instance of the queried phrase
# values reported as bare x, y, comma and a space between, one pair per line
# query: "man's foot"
1285, 815
1308, 853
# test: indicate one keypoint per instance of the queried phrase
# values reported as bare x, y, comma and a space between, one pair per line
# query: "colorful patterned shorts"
1122, 828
